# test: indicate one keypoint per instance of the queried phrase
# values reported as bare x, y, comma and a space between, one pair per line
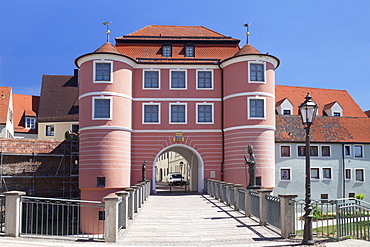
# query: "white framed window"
347, 150
75, 128
103, 71
204, 79
326, 173
359, 175
178, 79
358, 151
325, 151
49, 130
151, 79
205, 113
256, 108
285, 151
285, 174
189, 51
314, 151
315, 173
30, 123
102, 108
257, 72
151, 113
178, 113
348, 174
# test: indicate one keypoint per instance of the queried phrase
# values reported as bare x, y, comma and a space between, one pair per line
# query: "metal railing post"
287, 215
236, 196
13, 213
263, 205
131, 203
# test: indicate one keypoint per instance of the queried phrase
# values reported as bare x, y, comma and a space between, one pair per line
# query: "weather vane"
108, 31
247, 33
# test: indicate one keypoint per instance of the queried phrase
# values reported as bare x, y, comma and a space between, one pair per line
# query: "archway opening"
178, 168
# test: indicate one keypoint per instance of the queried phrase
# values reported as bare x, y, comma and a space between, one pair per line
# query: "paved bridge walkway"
195, 220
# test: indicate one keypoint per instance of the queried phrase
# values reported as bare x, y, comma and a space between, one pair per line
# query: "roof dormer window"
189, 51
167, 50
284, 107
333, 109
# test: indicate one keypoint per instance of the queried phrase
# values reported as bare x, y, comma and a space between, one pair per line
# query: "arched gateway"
193, 168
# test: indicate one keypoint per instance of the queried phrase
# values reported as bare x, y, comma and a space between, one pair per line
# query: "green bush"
360, 196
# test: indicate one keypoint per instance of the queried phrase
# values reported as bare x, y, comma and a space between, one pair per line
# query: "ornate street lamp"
308, 110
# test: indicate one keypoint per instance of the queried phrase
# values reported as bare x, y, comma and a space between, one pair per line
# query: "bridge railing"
26, 215
258, 203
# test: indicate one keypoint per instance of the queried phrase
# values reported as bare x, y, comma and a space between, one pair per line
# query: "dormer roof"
280, 102
330, 105
24, 106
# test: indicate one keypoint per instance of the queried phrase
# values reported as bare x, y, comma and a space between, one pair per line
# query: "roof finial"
247, 33
108, 31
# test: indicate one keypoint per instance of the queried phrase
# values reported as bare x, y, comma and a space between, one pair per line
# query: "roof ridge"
313, 88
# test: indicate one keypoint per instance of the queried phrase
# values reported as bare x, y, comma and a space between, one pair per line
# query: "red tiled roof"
59, 98
4, 103
321, 96
24, 105
324, 129
247, 49
175, 31
219, 52
107, 48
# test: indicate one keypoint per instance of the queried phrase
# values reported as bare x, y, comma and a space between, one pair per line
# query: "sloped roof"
247, 49
59, 98
321, 96
324, 129
24, 105
367, 113
167, 31
4, 103
107, 48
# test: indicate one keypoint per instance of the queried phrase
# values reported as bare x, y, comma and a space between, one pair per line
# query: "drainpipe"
343, 174
222, 123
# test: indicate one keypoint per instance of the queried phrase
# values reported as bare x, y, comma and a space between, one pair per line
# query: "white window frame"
350, 173
318, 169
212, 79
213, 113
303, 156
170, 113
159, 79
110, 107
363, 175
34, 123
186, 79
331, 173
46, 127
322, 152
143, 113
290, 174
350, 150
290, 151
264, 72
94, 71
362, 151
249, 107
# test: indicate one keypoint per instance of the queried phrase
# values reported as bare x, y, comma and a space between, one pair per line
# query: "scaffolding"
40, 167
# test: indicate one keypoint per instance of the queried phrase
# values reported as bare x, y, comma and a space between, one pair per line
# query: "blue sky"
321, 43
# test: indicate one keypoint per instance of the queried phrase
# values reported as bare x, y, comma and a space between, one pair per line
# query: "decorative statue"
143, 171
251, 162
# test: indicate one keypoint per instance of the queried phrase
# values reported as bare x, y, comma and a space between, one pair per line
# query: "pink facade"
239, 111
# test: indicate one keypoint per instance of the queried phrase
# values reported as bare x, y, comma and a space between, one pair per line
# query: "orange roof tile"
107, 48
321, 96
324, 129
24, 105
175, 31
247, 49
5, 93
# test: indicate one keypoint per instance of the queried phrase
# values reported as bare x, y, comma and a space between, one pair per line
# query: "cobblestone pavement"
187, 220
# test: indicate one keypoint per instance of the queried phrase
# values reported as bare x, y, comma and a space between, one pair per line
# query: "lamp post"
181, 165
308, 110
